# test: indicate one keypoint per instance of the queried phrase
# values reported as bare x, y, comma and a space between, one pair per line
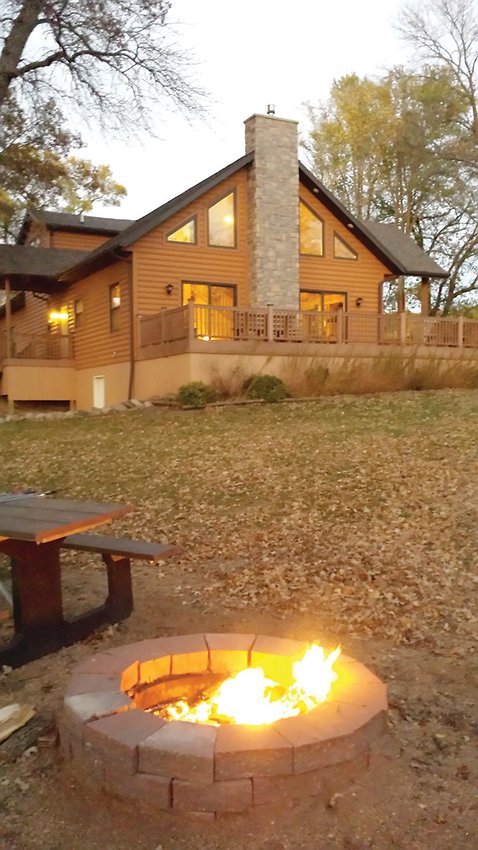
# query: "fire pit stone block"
152, 791
229, 653
189, 653
244, 751
276, 656
234, 795
181, 750
117, 737
79, 709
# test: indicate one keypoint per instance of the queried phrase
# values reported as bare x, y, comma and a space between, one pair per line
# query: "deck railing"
246, 324
41, 346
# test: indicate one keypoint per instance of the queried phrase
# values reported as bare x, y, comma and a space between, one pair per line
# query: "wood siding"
360, 278
75, 240
157, 262
32, 318
93, 342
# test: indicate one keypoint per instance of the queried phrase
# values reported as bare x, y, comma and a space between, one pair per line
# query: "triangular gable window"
343, 251
311, 231
185, 233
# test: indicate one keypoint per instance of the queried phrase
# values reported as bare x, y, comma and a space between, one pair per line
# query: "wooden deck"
185, 327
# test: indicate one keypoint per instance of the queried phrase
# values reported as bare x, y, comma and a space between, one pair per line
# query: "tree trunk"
15, 42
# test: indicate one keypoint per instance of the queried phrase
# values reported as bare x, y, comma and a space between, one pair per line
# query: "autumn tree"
110, 61
387, 148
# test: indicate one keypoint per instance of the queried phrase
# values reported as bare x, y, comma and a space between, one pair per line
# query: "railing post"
270, 322
461, 329
403, 328
340, 326
191, 319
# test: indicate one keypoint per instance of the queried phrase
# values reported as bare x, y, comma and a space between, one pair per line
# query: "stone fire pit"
189, 767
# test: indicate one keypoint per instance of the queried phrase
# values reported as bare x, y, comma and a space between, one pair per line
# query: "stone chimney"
273, 212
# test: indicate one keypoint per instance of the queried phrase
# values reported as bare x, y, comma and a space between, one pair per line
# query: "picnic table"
33, 531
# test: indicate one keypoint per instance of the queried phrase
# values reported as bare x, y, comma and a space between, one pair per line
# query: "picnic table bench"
33, 531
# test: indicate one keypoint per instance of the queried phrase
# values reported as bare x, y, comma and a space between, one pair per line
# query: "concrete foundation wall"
116, 384
35, 380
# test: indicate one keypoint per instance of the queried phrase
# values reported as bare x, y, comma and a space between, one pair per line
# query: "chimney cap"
271, 109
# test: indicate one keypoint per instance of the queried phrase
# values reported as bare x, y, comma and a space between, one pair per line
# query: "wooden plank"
104, 545
49, 521
45, 513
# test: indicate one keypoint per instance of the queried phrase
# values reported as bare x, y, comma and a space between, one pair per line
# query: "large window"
322, 302
210, 321
215, 294
311, 231
115, 304
221, 220
186, 233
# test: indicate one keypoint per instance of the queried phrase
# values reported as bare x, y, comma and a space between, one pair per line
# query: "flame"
249, 697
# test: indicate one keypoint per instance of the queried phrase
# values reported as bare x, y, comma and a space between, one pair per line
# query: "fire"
251, 698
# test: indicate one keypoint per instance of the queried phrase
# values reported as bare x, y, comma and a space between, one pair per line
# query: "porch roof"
72, 222
35, 269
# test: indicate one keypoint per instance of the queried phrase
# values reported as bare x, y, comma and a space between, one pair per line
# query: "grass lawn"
350, 519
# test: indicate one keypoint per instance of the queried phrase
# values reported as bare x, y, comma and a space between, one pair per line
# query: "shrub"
195, 394
267, 387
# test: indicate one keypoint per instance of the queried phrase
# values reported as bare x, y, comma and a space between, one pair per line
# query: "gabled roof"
393, 247
35, 269
396, 250
71, 222
112, 249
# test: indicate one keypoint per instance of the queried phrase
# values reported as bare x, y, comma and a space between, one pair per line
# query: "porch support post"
403, 328
401, 295
270, 322
460, 330
191, 319
425, 296
8, 318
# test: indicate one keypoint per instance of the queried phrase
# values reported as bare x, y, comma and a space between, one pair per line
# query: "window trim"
344, 242
114, 310
322, 221
323, 292
209, 284
192, 218
232, 192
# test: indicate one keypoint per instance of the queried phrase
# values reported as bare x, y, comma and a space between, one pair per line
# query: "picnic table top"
38, 519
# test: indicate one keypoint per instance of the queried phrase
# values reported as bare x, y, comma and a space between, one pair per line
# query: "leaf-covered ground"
363, 511
349, 519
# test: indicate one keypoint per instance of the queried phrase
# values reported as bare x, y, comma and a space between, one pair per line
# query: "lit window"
115, 304
185, 233
222, 223
78, 313
343, 251
311, 231
210, 293
322, 302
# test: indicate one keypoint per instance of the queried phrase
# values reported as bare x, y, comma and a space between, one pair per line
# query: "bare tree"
115, 59
445, 33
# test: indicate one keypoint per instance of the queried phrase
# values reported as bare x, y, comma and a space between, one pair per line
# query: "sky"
247, 54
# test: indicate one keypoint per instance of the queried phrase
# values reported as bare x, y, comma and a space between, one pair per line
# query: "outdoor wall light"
169, 288
359, 301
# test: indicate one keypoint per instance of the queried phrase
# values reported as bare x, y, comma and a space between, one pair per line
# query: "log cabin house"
254, 268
